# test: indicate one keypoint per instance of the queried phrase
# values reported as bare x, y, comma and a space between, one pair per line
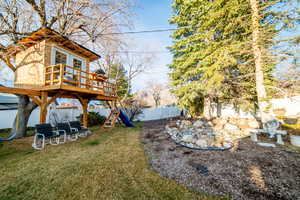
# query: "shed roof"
47, 33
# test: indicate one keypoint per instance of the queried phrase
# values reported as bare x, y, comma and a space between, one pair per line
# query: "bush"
94, 119
293, 129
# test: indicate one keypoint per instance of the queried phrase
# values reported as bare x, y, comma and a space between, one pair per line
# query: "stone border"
207, 148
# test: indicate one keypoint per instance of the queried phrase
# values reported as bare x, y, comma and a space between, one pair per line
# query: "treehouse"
50, 66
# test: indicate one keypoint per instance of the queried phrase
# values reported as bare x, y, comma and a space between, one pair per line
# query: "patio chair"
44, 133
81, 130
71, 133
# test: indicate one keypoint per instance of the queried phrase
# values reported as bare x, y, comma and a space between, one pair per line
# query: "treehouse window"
77, 63
60, 58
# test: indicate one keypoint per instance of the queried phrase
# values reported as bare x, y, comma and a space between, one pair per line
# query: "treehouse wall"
31, 63
30, 66
49, 57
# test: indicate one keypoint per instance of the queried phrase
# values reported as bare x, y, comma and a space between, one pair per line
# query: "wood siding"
31, 64
30, 67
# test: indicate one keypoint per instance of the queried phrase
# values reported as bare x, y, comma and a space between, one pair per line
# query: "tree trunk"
219, 108
207, 108
25, 108
259, 74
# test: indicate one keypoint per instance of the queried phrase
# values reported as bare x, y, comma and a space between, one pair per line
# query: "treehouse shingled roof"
49, 34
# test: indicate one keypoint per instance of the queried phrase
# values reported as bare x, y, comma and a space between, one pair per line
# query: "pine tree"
212, 58
118, 72
223, 52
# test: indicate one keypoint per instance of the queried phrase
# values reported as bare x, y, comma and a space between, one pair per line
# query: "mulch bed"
248, 172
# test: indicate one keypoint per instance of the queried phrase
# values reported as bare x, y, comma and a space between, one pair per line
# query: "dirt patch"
248, 172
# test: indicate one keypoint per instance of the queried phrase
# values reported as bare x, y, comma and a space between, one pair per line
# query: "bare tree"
135, 65
87, 21
155, 90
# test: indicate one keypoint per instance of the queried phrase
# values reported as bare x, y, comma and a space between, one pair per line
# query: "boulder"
223, 121
219, 126
201, 143
229, 126
253, 124
243, 123
233, 120
235, 132
198, 124
218, 145
209, 124
186, 123
187, 138
244, 126
172, 131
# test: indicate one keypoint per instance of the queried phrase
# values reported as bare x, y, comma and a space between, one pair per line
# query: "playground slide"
11, 137
125, 119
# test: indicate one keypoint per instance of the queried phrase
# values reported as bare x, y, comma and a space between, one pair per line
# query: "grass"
107, 165
6, 132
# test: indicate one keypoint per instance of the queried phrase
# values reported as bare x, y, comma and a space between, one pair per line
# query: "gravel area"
247, 172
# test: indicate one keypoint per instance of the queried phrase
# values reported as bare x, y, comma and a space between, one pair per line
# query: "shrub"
293, 129
94, 119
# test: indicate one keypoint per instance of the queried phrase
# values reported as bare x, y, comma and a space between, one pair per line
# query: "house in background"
8, 102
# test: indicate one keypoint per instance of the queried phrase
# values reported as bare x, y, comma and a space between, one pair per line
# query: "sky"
151, 15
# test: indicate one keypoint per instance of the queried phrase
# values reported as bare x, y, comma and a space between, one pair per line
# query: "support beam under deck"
21, 91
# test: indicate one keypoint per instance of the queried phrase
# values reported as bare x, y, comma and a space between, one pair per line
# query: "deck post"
84, 104
43, 107
85, 112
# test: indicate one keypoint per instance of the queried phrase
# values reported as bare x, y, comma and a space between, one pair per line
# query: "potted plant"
294, 132
295, 137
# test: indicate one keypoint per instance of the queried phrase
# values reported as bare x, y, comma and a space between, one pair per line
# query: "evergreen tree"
214, 50
118, 72
211, 55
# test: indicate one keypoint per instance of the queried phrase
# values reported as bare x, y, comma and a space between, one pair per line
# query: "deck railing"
62, 74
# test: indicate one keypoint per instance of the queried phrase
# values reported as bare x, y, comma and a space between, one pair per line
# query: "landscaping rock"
230, 172
202, 143
186, 123
253, 124
231, 127
198, 124
187, 138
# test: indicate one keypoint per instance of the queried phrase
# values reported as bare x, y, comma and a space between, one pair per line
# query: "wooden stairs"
110, 122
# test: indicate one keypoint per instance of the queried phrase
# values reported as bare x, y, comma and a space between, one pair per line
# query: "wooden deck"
73, 80
62, 81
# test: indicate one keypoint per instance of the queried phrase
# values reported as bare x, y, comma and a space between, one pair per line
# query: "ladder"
110, 122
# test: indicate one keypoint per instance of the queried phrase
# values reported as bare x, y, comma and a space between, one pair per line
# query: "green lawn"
107, 165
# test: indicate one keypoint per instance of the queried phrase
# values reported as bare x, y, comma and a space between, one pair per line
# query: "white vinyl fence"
149, 113
7, 117
291, 106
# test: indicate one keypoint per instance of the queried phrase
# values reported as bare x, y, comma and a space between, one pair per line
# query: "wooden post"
43, 108
84, 104
61, 74
52, 74
85, 113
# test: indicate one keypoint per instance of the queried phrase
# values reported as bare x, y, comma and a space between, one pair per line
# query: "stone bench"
270, 128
